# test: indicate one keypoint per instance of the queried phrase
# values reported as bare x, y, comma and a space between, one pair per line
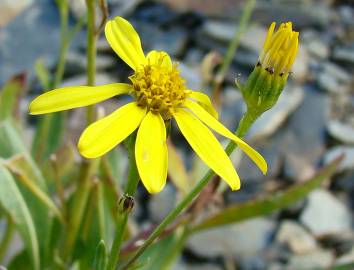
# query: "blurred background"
312, 124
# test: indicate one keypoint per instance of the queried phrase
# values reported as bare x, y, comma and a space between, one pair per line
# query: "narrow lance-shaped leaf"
100, 261
9, 97
272, 202
14, 204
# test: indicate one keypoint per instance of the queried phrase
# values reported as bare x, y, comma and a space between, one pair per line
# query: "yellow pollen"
159, 87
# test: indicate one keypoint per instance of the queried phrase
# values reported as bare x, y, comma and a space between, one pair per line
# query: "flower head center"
159, 86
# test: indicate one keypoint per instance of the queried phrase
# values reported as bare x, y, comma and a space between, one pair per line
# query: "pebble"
162, 203
329, 83
101, 79
272, 120
240, 240
192, 76
347, 163
318, 49
19, 52
200, 266
324, 214
76, 62
9, 9
309, 261
305, 143
343, 54
341, 131
297, 239
337, 72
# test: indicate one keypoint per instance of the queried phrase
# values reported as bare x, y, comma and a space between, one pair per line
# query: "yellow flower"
160, 95
279, 49
268, 78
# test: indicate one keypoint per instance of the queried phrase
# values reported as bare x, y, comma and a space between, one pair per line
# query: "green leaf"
42, 73
347, 266
274, 201
10, 96
163, 254
49, 135
100, 261
12, 145
14, 204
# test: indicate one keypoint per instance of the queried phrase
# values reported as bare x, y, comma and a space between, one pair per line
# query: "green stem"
246, 122
64, 42
231, 51
130, 188
79, 205
7, 236
91, 53
87, 167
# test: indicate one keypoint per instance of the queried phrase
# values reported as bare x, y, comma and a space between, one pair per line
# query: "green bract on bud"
266, 82
126, 204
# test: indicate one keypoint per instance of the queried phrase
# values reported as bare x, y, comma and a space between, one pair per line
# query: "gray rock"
343, 54
76, 62
101, 78
335, 152
37, 35
298, 240
219, 30
271, 120
240, 240
191, 75
162, 203
173, 40
337, 72
318, 48
324, 214
9, 9
329, 83
313, 260
306, 136
199, 266
224, 31
300, 66
345, 258
341, 131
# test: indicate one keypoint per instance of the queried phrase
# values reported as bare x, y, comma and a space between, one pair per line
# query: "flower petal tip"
154, 189
236, 187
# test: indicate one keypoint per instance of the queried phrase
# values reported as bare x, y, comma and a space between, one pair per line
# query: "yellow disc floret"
158, 85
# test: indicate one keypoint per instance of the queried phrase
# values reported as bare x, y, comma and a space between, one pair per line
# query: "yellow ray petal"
207, 147
204, 101
76, 96
103, 135
214, 124
159, 57
151, 152
125, 41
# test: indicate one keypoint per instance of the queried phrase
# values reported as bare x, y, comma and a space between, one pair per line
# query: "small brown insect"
126, 203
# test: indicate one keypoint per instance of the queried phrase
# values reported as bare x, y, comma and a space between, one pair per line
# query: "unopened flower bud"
268, 78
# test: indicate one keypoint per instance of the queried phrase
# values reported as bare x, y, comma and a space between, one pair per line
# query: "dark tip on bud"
258, 63
270, 70
126, 203
281, 74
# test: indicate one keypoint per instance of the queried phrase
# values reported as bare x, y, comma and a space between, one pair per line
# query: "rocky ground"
312, 124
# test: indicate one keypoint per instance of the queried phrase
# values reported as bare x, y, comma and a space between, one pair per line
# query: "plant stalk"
130, 189
246, 122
